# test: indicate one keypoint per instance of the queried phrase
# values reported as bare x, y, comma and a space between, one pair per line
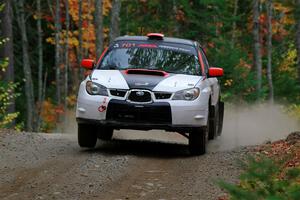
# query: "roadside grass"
271, 172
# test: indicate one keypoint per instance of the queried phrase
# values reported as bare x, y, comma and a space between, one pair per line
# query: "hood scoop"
146, 72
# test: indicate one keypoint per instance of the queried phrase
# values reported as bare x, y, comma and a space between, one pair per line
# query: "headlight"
188, 95
96, 89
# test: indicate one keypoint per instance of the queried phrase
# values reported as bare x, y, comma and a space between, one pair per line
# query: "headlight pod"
187, 95
96, 89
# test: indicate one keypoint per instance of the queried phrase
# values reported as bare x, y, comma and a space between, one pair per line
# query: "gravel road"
52, 166
135, 165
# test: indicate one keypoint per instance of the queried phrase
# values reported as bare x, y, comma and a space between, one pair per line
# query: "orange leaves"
106, 7
50, 115
284, 150
87, 29
180, 15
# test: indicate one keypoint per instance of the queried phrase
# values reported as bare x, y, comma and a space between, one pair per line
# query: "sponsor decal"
147, 45
174, 48
103, 106
141, 84
128, 45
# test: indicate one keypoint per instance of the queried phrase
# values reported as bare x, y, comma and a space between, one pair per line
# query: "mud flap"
213, 122
221, 117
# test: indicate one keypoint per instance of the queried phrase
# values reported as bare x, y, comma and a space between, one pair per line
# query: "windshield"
151, 58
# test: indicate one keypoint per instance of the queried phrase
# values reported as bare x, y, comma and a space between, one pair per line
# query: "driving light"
96, 89
188, 95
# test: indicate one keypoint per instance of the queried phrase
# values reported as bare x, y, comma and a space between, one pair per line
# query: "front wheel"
197, 141
87, 135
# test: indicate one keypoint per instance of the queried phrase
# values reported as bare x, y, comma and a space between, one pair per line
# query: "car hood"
115, 79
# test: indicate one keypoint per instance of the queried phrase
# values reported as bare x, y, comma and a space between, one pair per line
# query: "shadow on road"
142, 148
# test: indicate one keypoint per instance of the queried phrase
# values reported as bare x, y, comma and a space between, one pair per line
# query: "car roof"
165, 39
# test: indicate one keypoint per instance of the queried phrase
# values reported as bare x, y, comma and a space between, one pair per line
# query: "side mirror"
215, 72
88, 64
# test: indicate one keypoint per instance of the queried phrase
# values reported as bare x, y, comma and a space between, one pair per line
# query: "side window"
205, 61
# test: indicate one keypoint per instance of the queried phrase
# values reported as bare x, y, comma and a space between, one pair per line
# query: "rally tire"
87, 135
197, 141
105, 133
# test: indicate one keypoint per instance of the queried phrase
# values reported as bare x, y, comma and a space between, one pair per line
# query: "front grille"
140, 96
154, 113
162, 95
118, 93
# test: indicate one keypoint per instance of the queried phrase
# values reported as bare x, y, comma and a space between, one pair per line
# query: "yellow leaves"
9, 118
281, 8
289, 61
106, 7
228, 82
74, 42
71, 101
50, 40
7, 94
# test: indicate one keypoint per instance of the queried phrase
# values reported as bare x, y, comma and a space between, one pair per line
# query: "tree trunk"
298, 38
66, 77
80, 31
57, 51
269, 50
7, 49
26, 65
99, 27
115, 20
87, 46
40, 60
257, 46
176, 25
236, 7
80, 48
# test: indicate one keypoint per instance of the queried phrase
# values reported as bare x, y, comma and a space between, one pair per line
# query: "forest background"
257, 42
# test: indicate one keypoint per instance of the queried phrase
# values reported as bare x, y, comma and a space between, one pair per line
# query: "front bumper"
137, 126
121, 114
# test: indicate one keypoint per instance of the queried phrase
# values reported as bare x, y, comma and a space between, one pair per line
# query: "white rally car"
150, 82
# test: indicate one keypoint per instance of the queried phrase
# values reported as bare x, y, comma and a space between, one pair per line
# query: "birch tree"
298, 37
26, 65
269, 49
176, 25
115, 20
80, 31
257, 47
40, 59
66, 77
57, 51
99, 27
236, 7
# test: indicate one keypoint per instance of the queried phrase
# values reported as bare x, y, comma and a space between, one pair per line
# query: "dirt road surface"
135, 165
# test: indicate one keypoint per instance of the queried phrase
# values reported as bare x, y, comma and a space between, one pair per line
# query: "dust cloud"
254, 125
